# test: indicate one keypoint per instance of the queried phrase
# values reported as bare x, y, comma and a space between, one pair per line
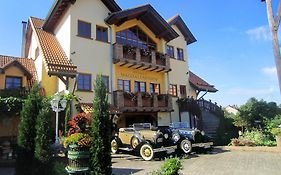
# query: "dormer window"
13, 82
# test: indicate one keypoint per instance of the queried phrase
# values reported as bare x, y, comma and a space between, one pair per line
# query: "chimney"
24, 24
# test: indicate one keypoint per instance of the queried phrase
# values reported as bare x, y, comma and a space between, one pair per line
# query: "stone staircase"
211, 114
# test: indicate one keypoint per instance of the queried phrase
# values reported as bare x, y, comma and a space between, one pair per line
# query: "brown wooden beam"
148, 67
126, 62
155, 68
161, 70
132, 65
140, 66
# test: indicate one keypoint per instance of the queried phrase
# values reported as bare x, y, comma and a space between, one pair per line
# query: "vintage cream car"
144, 139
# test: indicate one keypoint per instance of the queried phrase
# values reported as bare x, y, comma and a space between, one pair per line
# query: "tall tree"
100, 159
43, 141
274, 23
27, 132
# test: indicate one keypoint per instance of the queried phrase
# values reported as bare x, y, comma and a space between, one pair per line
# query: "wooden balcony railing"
140, 58
142, 102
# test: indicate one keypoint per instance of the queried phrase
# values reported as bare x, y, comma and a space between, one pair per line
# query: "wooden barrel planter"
78, 160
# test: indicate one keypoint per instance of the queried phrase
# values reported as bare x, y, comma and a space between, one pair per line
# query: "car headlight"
166, 136
176, 137
203, 133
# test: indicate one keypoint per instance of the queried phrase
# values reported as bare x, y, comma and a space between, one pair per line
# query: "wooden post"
274, 26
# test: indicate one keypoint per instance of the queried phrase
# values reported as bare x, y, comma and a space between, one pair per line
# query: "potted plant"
78, 145
277, 133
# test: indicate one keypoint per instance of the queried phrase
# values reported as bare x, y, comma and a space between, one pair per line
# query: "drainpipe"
110, 61
24, 24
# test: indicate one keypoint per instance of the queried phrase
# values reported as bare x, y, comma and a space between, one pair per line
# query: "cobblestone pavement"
215, 163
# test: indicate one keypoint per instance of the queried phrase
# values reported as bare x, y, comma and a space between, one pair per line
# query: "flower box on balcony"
129, 52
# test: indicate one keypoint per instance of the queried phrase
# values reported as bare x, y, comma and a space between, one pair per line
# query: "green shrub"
253, 138
171, 166
273, 123
59, 169
276, 131
256, 136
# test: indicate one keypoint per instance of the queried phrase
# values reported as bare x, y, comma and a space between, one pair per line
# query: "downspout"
111, 61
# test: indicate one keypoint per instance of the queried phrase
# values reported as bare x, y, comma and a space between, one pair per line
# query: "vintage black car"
144, 139
189, 138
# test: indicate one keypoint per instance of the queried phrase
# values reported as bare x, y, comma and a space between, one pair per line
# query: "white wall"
90, 56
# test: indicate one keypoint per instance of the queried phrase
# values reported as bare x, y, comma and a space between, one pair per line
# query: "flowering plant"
79, 123
81, 140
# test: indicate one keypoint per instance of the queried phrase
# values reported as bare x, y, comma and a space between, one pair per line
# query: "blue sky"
233, 50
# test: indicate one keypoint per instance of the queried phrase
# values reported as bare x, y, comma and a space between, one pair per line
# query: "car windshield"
142, 126
178, 125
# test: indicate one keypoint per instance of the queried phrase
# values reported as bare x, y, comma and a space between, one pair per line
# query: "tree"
255, 113
274, 26
27, 132
43, 141
100, 154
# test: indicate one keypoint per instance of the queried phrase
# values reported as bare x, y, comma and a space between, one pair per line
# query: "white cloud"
261, 33
270, 71
251, 91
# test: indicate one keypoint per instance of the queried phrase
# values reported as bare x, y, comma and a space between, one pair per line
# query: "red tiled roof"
26, 64
200, 84
55, 59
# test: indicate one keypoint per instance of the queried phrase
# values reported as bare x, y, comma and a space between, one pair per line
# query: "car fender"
118, 140
142, 143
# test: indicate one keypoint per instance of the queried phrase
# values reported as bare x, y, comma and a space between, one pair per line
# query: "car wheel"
146, 152
186, 146
134, 142
114, 146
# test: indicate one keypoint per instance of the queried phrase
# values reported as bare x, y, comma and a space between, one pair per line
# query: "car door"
126, 136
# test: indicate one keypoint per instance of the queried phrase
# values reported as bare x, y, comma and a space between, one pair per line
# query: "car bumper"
169, 149
203, 145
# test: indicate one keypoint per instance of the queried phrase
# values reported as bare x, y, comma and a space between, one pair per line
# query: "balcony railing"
140, 58
142, 102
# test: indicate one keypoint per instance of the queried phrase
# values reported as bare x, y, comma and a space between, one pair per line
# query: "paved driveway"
215, 163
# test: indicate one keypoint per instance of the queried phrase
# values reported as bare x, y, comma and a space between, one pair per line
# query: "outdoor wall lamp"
58, 104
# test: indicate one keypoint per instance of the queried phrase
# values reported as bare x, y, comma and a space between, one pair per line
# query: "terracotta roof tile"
200, 84
55, 58
27, 63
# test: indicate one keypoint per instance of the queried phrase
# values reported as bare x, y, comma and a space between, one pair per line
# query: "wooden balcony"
133, 57
142, 102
